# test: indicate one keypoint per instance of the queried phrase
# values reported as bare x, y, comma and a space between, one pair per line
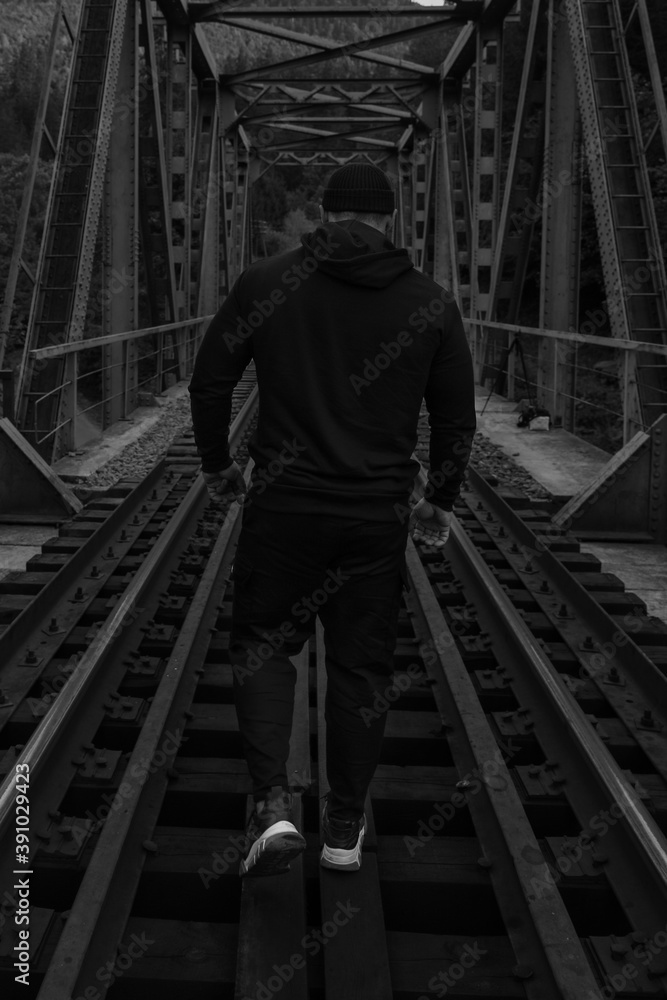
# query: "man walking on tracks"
347, 338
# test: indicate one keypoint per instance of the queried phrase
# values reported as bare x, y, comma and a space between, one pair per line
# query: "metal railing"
583, 380
105, 375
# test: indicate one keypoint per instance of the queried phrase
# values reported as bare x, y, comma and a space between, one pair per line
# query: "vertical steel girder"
179, 167
445, 257
235, 184
121, 286
66, 418
456, 154
226, 150
117, 161
630, 248
486, 166
205, 200
561, 225
435, 213
428, 219
64, 272
404, 192
421, 163
153, 185
519, 210
485, 189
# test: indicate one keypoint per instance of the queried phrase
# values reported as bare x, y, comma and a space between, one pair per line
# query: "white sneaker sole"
271, 853
342, 860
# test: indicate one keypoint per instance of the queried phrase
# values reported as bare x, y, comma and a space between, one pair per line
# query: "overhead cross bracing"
148, 230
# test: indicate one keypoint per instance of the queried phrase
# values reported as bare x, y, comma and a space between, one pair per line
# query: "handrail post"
626, 392
160, 361
70, 406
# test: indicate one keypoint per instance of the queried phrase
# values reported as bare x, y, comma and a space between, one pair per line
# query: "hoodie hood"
356, 253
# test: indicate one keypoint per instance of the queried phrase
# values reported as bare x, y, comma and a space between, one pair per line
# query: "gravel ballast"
138, 459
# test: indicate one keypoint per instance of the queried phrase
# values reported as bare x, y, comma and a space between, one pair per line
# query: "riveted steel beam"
461, 11
517, 214
63, 280
176, 13
330, 50
119, 306
561, 226
207, 193
487, 151
153, 182
630, 245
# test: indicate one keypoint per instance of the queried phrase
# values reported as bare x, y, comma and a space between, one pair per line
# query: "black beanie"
359, 187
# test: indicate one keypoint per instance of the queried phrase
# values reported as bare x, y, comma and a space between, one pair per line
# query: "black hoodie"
347, 338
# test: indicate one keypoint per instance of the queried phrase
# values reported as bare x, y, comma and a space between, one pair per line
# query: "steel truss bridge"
149, 210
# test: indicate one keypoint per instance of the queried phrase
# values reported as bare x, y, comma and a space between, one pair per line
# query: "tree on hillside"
20, 89
12, 175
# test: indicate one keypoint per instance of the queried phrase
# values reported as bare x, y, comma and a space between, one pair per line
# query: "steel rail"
60, 980
641, 674
639, 666
589, 748
41, 743
60, 350
538, 924
23, 626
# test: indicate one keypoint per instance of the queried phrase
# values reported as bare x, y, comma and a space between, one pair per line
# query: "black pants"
290, 568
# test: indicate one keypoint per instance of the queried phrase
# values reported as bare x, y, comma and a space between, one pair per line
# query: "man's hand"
229, 482
430, 524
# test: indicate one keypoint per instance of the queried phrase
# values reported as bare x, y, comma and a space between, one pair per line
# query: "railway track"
516, 844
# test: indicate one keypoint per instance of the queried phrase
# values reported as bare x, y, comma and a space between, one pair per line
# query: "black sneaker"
273, 838
342, 842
